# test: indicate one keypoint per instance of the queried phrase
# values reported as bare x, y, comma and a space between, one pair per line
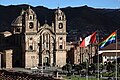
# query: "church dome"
17, 21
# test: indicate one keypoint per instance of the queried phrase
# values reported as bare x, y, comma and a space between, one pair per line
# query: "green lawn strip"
78, 78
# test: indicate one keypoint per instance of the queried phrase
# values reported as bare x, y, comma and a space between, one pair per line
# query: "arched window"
17, 29
31, 47
30, 25
60, 18
30, 17
60, 46
60, 25
63, 17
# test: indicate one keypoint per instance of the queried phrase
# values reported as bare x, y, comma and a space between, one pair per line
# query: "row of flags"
92, 39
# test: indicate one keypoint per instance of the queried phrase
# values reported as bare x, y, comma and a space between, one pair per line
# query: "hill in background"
81, 21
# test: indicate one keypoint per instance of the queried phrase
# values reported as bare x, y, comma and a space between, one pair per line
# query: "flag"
93, 38
110, 39
89, 40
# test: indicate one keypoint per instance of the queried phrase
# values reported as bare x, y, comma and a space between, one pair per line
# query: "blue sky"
65, 3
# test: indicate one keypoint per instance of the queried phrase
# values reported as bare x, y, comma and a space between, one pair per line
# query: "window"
32, 57
52, 44
63, 17
105, 57
60, 25
17, 29
60, 38
30, 25
31, 47
47, 45
60, 46
30, 17
60, 18
31, 38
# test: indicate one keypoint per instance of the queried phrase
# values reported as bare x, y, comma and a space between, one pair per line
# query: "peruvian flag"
89, 40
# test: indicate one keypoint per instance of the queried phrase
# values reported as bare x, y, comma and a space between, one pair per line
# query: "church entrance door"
46, 61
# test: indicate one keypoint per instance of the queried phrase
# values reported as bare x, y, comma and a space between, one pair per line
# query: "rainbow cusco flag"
110, 39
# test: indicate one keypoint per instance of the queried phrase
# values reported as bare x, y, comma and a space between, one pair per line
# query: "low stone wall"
9, 75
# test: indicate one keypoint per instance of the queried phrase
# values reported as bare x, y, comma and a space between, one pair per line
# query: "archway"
46, 47
46, 58
46, 61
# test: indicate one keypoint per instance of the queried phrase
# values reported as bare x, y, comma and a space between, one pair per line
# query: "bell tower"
60, 35
31, 50
30, 21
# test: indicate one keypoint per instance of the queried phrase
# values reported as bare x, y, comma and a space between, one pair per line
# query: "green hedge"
108, 74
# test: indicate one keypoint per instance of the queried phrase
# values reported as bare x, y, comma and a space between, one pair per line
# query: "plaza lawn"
78, 78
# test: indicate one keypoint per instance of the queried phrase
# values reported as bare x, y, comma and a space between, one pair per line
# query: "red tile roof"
110, 53
112, 47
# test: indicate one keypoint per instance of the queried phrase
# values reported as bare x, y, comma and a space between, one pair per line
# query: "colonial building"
77, 54
73, 53
88, 53
110, 53
34, 44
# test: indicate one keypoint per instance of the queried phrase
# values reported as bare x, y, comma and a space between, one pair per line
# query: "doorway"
46, 61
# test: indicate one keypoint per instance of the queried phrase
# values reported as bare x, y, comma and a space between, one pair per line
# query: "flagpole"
112, 37
116, 54
98, 63
98, 54
86, 66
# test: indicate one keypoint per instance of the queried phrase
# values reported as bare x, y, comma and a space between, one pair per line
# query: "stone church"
35, 44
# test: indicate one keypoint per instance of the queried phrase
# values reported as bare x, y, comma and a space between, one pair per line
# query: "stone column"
51, 59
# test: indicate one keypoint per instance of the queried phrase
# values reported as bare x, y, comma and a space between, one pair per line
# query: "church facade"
38, 44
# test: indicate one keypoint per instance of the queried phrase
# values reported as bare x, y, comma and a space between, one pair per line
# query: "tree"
84, 64
67, 67
110, 66
78, 68
92, 67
